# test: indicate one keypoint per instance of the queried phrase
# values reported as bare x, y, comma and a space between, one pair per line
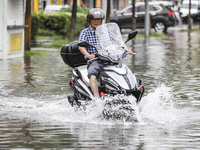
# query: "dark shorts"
94, 68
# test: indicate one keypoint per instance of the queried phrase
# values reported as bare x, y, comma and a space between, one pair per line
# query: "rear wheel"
160, 27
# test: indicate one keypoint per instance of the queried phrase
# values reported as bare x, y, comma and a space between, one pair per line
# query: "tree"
27, 41
133, 15
73, 20
108, 12
189, 17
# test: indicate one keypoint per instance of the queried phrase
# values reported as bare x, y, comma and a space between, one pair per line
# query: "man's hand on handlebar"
91, 56
130, 52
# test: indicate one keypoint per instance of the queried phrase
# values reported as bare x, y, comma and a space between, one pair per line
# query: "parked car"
195, 10
195, 17
54, 8
161, 16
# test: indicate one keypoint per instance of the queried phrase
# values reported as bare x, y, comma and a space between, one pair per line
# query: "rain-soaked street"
35, 113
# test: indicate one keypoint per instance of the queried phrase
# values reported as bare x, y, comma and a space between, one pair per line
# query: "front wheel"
160, 27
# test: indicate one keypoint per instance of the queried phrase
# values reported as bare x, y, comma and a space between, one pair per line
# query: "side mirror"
131, 35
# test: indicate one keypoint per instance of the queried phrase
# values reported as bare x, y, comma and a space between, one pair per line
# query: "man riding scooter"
94, 17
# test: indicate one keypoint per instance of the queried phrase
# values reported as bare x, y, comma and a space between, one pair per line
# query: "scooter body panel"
113, 77
120, 76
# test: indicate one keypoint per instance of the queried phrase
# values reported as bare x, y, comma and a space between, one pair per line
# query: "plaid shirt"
89, 35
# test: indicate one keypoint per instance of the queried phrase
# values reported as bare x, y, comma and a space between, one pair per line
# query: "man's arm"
82, 37
85, 53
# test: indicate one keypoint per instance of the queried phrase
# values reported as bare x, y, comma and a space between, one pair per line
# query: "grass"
58, 40
57, 43
54, 37
34, 52
158, 35
153, 35
192, 30
45, 32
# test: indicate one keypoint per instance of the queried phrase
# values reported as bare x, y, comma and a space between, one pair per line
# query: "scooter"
115, 78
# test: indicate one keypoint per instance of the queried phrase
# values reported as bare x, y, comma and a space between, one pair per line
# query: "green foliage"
48, 37
59, 23
45, 32
159, 35
34, 25
34, 52
58, 43
80, 9
192, 30
81, 23
152, 35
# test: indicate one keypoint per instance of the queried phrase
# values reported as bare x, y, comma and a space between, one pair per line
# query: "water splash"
4, 91
55, 109
120, 107
158, 106
111, 108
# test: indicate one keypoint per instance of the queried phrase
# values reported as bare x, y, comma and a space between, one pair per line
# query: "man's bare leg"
94, 86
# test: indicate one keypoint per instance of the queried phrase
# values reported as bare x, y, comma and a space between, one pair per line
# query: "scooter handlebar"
126, 53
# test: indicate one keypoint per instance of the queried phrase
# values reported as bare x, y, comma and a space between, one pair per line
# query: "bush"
34, 52
60, 22
54, 21
34, 25
80, 9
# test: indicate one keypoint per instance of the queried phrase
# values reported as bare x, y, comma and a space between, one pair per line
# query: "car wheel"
160, 27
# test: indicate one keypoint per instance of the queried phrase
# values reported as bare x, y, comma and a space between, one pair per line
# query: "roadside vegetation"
55, 27
57, 43
192, 30
34, 52
152, 35
58, 23
58, 40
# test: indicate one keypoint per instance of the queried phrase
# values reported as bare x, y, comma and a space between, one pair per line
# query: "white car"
54, 8
195, 7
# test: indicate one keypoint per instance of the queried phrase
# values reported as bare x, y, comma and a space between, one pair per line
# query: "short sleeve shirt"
89, 35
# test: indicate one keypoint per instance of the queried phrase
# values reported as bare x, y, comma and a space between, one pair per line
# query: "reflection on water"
36, 115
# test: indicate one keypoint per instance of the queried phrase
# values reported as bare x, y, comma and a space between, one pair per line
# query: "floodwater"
35, 113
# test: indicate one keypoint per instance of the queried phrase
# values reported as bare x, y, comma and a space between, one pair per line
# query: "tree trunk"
133, 15
108, 12
71, 32
27, 41
189, 17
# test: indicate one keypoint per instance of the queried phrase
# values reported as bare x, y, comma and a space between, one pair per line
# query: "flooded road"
35, 113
